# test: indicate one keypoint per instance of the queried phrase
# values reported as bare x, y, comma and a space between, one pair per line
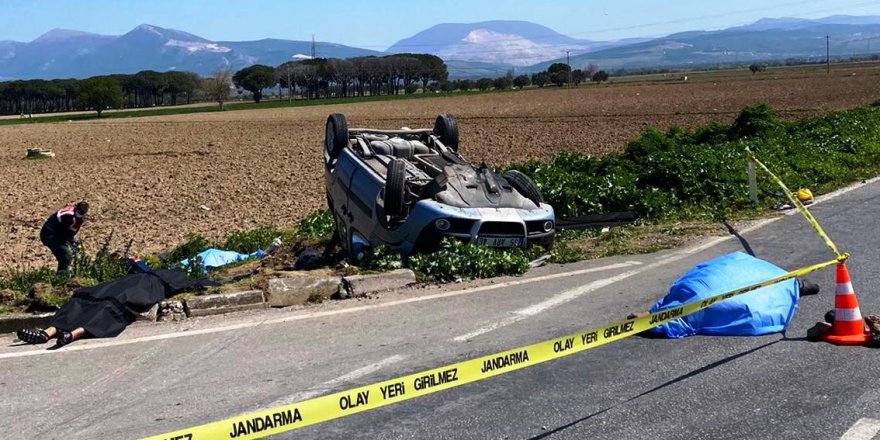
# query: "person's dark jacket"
61, 226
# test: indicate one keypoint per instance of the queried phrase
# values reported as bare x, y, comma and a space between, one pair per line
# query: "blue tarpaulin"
759, 312
214, 258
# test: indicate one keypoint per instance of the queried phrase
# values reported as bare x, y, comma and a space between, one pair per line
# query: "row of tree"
332, 77
143, 89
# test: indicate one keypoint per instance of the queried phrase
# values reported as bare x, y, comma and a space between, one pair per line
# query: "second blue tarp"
759, 312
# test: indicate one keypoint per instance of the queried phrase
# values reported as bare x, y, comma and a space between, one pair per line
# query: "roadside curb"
224, 303
11, 323
362, 285
284, 292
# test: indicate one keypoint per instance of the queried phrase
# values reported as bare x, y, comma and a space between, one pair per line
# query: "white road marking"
863, 429
330, 384
679, 255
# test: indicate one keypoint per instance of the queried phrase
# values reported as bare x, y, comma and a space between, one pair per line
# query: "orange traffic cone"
848, 328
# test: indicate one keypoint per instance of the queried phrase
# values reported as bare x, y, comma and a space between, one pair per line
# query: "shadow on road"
661, 386
742, 240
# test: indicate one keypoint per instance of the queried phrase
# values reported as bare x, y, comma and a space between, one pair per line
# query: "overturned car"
409, 188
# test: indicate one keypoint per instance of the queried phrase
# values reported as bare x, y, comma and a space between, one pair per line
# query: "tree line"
333, 77
143, 89
302, 79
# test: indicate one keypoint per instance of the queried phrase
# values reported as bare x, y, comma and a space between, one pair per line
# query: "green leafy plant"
246, 242
317, 225
380, 258
105, 265
456, 260
193, 245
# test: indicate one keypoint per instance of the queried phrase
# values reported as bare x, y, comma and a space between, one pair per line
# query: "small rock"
204, 208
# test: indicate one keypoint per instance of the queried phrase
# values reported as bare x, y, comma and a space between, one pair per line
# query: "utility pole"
827, 54
314, 49
568, 62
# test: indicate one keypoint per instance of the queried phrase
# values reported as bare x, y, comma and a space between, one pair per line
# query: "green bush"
23, 281
755, 121
381, 258
106, 265
317, 225
702, 173
193, 245
246, 242
456, 260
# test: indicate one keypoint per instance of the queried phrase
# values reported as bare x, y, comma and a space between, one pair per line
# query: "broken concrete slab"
150, 315
224, 303
171, 311
11, 323
285, 292
362, 285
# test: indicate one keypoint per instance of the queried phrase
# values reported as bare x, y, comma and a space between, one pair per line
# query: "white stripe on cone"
844, 289
848, 314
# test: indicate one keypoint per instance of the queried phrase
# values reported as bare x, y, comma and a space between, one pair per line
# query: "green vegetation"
317, 225
254, 79
380, 258
99, 93
701, 173
456, 260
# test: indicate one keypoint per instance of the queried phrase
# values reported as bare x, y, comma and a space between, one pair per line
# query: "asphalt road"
162, 377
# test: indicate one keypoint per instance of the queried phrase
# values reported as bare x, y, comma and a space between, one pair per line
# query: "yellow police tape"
267, 422
800, 206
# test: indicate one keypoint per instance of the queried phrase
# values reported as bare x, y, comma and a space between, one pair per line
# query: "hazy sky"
378, 24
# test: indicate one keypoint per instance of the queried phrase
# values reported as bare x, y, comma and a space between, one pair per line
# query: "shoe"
829, 316
808, 288
32, 336
64, 338
815, 332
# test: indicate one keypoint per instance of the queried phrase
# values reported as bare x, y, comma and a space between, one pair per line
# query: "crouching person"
59, 231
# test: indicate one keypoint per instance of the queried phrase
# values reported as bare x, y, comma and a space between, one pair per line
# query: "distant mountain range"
510, 43
64, 53
470, 50
764, 40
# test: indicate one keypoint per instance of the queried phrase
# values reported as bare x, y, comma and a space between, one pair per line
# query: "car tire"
335, 136
525, 186
446, 129
395, 188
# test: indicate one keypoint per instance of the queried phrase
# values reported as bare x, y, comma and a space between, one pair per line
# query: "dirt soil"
155, 179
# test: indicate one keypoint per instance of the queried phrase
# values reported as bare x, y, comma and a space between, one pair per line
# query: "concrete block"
224, 303
361, 285
11, 323
284, 292
150, 315
171, 311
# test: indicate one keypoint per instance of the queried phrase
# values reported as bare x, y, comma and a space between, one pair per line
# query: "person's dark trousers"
61, 251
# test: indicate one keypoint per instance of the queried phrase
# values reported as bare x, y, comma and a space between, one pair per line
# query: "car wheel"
524, 185
447, 130
335, 135
395, 188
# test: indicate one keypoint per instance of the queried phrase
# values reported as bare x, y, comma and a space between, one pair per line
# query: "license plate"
500, 242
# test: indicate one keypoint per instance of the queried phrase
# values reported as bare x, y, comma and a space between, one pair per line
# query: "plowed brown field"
146, 178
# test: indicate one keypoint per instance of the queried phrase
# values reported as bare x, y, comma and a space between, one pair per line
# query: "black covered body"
106, 309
